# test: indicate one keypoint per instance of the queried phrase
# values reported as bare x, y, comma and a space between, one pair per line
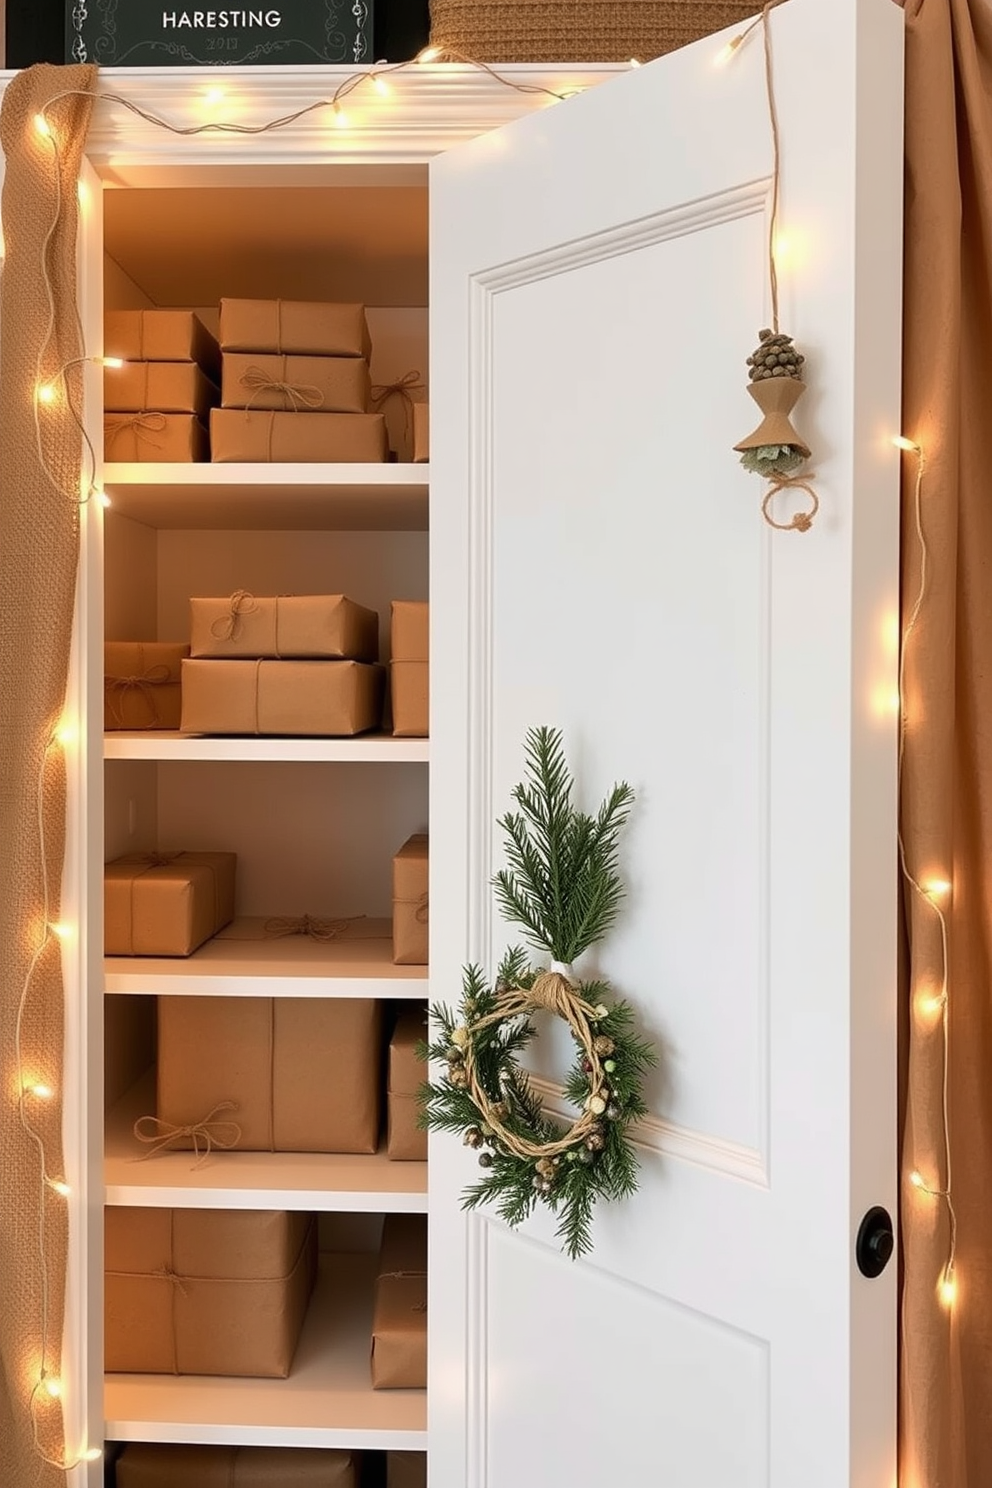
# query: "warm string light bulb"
42, 126
341, 120
59, 1186
61, 928
947, 1289
429, 54
937, 888
51, 1386
45, 392
901, 442
40, 1091
380, 85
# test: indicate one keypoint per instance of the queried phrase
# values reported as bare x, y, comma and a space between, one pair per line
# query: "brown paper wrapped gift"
410, 903
141, 684
258, 379
399, 1319
157, 1465
421, 433
406, 1141
403, 1470
296, 327
166, 904
161, 336
303, 1073
163, 387
240, 435
316, 699
290, 625
206, 1291
178, 438
409, 672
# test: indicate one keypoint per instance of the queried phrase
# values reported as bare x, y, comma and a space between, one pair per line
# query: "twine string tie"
206, 1134
403, 388
803, 520
298, 395
144, 425
309, 925
141, 682
228, 627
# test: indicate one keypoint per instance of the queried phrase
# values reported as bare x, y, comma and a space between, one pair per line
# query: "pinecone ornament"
775, 370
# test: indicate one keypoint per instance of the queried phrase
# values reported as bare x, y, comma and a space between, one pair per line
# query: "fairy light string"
931, 893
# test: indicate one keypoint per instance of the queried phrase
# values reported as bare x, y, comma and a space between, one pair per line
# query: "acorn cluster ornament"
774, 449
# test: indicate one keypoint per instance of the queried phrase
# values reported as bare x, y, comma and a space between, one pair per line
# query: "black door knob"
875, 1242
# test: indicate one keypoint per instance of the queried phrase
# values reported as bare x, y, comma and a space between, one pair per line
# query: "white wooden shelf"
279, 498
335, 1182
357, 964
327, 1401
164, 744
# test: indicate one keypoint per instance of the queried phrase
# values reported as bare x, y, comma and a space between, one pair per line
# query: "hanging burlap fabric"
577, 30
39, 542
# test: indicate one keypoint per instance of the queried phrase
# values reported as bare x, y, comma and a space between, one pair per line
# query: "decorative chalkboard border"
93, 34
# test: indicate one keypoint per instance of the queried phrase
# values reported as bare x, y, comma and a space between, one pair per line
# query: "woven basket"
578, 30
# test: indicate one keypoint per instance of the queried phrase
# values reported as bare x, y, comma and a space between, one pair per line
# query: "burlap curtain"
39, 538
946, 807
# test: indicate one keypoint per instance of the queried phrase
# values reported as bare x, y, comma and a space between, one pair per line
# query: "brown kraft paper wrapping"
258, 379
161, 336
292, 625
403, 1470
411, 922
399, 1320
162, 387
240, 435
206, 1291
296, 327
166, 904
155, 1465
141, 684
315, 699
409, 674
421, 433
405, 1141
174, 438
303, 1073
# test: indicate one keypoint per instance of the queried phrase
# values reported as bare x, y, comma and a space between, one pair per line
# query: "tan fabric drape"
39, 538
946, 806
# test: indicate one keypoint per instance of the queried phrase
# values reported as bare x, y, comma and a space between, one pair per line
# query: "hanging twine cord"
554, 993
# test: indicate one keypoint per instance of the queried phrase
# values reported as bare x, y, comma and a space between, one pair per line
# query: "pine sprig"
562, 887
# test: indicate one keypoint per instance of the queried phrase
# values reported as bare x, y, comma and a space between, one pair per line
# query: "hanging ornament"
774, 450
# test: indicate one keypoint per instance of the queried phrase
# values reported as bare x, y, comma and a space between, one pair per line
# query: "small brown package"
410, 902
162, 387
409, 672
166, 1465
206, 1291
403, 1470
141, 684
259, 379
291, 625
297, 327
166, 904
315, 699
405, 1140
161, 336
303, 1073
421, 433
238, 435
399, 1319
176, 438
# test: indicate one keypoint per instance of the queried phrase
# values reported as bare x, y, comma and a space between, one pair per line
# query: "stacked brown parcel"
295, 384
296, 664
158, 1465
156, 405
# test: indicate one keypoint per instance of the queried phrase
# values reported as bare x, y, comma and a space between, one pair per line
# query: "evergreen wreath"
563, 888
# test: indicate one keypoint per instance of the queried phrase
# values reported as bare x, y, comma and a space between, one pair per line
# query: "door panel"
599, 563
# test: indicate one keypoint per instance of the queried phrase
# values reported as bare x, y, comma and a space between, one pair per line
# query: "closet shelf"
278, 498
336, 1182
163, 744
240, 962
327, 1401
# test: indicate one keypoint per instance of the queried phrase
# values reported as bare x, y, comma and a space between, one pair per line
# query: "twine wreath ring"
552, 992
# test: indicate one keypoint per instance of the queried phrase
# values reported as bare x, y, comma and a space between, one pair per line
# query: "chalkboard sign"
185, 33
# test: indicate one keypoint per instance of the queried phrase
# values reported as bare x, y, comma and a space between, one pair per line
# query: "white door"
600, 564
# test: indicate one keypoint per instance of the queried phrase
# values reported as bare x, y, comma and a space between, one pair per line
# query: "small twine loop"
159, 859
206, 1134
228, 627
297, 394
118, 687
166, 1273
145, 426
555, 993
317, 929
802, 521
403, 388
421, 913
